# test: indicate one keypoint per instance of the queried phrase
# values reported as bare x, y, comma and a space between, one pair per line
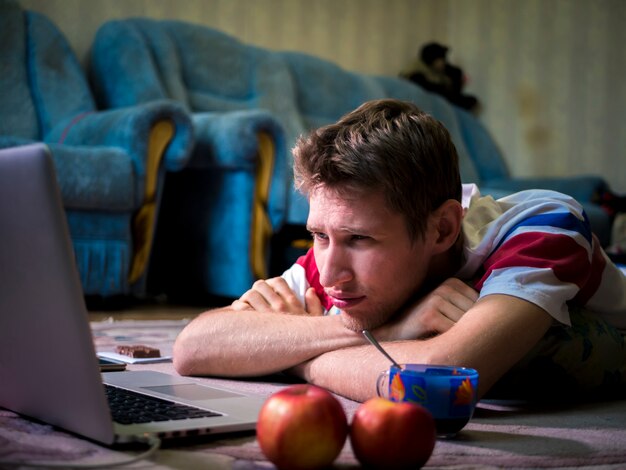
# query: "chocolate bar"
138, 350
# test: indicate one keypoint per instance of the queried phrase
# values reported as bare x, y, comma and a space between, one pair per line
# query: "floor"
146, 311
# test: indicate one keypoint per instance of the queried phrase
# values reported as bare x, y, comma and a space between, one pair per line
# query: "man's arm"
268, 330
232, 343
491, 337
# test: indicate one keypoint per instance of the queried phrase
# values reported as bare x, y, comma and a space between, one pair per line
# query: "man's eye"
318, 236
359, 237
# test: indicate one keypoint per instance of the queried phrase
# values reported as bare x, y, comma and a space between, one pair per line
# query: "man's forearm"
491, 338
248, 343
350, 372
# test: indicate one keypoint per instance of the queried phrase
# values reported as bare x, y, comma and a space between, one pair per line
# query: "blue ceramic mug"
449, 393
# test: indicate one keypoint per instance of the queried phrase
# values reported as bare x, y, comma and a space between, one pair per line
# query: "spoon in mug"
377, 345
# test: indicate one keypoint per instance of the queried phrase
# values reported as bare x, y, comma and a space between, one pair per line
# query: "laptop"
48, 365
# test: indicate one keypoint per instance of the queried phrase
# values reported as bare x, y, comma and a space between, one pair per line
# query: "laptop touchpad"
192, 391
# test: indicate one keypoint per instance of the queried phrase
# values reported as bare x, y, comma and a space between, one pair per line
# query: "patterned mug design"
449, 393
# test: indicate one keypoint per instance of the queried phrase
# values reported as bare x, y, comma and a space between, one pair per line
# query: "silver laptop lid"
48, 366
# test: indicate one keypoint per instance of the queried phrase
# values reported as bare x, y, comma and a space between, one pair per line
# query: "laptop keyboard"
129, 407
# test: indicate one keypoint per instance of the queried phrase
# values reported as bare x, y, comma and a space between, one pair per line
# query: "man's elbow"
182, 358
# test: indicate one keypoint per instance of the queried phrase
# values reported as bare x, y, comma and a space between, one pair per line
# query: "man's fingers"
456, 298
457, 305
252, 299
452, 312
240, 305
286, 300
464, 289
313, 305
286, 294
272, 295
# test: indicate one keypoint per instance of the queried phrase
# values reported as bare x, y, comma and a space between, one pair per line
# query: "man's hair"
386, 145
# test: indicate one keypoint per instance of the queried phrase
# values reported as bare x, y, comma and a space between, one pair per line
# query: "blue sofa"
219, 213
110, 164
213, 74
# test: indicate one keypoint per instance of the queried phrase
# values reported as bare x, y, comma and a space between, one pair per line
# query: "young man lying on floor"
436, 272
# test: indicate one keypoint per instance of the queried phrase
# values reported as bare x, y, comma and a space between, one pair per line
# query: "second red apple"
386, 434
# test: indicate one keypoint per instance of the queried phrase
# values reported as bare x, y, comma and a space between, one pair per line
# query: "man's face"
367, 263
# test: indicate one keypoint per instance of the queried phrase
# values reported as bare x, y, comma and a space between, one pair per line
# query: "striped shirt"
536, 245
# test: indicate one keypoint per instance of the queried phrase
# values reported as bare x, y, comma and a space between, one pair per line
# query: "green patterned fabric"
585, 360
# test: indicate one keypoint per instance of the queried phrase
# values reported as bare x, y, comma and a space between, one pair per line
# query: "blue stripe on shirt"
563, 220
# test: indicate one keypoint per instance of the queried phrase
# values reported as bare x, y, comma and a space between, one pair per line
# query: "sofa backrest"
324, 91
125, 71
42, 82
19, 117
203, 68
480, 145
209, 70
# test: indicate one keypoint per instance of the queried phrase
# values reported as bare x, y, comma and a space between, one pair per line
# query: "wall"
549, 72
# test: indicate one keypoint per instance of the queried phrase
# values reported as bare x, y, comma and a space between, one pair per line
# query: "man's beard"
367, 322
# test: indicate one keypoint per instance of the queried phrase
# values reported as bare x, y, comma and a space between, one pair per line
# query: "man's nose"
335, 267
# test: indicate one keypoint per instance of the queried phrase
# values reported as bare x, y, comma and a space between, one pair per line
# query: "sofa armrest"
236, 141
581, 188
153, 138
229, 140
130, 128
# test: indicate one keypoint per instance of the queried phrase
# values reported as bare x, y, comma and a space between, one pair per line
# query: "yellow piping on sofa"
261, 226
143, 223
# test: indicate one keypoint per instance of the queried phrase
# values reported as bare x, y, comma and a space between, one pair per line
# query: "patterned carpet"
501, 435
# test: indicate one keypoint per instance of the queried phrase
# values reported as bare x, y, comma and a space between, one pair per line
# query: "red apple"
302, 427
386, 434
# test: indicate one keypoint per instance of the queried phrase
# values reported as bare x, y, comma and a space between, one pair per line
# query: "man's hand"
275, 295
432, 314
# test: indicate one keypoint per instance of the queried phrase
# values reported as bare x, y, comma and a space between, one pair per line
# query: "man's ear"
447, 219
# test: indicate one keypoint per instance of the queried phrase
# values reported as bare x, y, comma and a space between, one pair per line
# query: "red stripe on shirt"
313, 277
562, 254
598, 264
